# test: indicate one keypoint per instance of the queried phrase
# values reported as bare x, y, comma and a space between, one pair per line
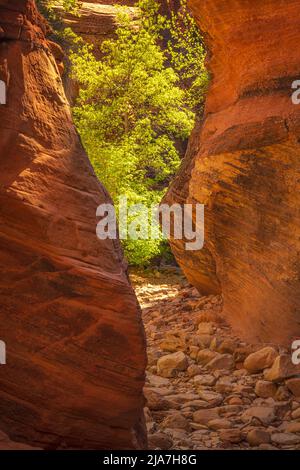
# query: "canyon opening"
172, 324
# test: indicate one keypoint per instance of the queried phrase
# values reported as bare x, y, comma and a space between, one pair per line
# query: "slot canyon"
196, 357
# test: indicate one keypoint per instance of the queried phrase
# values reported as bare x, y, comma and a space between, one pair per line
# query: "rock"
147, 415
221, 361
229, 410
267, 447
235, 401
206, 328
228, 346
231, 435
241, 353
174, 341
285, 439
159, 440
155, 401
182, 398
193, 352
175, 421
281, 408
201, 341
205, 356
205, 379
96, 20
204, 416
293, 427
7, 444
224, 385
234, 165
265, 389
260, 360
263, 414
196, 404
68, 314
153, 357
294, 386
282, 393
194, 370
296, 414
282, 369
255, 437
157, 381
211, 397
169, 365
219, 423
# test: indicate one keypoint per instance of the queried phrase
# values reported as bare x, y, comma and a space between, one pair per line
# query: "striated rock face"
97, 20
244, 166
70, 320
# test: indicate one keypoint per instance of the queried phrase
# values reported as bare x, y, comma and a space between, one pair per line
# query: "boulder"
265, 389
175, 420
285, 438
171, 364
294, 386
219, 423
204, 416
282, 369
293, 427
159, 440
221, 361
255, 437
264, 414
260, 360
206, 328
205, 356
233, 436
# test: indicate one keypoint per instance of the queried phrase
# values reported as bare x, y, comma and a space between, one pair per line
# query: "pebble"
207, 389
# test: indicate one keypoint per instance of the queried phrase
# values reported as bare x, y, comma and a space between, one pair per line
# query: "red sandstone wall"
246, 167
70, 320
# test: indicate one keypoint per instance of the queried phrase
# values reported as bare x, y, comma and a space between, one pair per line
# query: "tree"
187, 56
54, 9
130, 113
138, 104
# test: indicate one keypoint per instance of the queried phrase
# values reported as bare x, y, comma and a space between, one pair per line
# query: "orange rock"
243, 165
70, 320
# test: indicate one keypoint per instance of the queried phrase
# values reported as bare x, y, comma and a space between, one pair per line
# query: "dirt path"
205, 388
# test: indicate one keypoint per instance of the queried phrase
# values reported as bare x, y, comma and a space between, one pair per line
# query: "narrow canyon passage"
219, 373
205, 387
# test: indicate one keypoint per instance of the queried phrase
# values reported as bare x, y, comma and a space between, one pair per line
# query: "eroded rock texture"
97, 20
75, 343
244, 166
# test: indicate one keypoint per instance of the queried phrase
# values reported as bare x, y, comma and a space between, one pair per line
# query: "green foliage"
187, 56
53, 9
137, 105
130, 113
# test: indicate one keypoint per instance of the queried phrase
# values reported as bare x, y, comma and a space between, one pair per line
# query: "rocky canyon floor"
205, 388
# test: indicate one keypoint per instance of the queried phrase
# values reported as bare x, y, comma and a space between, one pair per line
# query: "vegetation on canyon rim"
138, 104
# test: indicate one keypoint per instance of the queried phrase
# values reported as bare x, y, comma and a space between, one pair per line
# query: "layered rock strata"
245, 167
69, 317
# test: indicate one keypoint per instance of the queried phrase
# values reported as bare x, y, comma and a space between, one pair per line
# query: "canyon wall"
69, 318
243, 165
97, 21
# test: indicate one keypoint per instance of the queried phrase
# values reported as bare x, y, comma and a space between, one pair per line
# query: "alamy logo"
296, 352
2, 92
2, 353
140, 222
